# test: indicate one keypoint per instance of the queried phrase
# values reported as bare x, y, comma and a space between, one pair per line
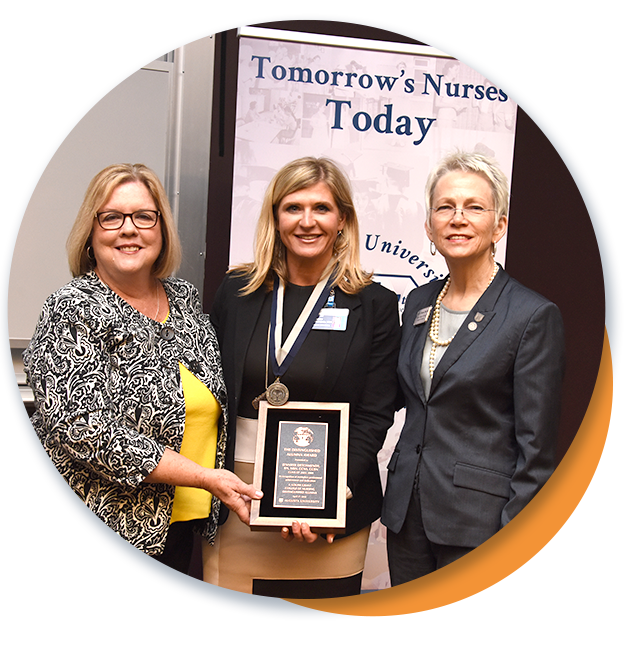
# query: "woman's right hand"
302, 532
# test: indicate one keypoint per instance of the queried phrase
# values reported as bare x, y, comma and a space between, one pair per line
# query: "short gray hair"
475, 163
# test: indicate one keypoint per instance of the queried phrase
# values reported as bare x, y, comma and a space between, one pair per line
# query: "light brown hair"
98, 193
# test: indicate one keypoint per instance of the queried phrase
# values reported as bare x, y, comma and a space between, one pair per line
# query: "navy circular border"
240, 603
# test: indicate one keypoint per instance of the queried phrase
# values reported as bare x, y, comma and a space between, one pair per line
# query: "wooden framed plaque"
300, 466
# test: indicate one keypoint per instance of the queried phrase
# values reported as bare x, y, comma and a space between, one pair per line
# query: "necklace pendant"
257, 400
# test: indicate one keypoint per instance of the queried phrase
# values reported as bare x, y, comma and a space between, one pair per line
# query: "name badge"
422, 316
332, 320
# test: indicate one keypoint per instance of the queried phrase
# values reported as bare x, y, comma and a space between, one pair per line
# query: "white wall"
159, 116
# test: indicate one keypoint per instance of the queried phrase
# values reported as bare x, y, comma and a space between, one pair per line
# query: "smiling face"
308, 222
460, 237
128, 254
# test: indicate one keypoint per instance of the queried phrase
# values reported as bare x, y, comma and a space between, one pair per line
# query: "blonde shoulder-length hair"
98, 193
269, 250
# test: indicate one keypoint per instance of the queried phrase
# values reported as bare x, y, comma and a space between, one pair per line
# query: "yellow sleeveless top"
199, 444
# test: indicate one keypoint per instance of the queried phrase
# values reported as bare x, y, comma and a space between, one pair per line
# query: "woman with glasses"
480, 366
125, 370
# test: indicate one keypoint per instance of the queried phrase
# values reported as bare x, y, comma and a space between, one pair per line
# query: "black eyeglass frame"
131, 215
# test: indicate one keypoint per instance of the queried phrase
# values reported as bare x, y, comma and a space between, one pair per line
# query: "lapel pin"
472, 326
478, 317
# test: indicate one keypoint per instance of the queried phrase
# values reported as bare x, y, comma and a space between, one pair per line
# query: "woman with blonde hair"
307, 244
125, 369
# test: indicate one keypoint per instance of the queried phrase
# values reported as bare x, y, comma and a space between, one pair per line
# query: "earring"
432, 248
90, 253
339, 243
494, 249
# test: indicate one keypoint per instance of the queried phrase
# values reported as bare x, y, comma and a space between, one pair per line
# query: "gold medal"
277, 394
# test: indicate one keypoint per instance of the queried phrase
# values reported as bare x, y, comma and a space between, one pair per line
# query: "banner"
386, 116
386, 113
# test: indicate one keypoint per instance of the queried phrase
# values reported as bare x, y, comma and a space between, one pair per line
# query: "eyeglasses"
143, 219
447, 211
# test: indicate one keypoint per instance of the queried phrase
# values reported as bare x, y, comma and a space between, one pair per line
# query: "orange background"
562, 559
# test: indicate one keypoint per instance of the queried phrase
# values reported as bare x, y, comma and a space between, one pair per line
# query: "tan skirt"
264, 563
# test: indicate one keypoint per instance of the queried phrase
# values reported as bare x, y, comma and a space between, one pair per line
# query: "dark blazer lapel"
481, 314
248, 310
339, 342
420, 335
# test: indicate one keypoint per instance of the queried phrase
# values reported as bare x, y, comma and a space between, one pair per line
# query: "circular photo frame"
579, 271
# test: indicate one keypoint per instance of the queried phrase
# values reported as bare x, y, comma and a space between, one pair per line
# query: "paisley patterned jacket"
109, 399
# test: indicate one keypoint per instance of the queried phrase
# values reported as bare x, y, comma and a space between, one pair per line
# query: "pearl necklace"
434, 328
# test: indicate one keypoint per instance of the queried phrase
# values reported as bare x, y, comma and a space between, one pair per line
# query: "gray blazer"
484, 440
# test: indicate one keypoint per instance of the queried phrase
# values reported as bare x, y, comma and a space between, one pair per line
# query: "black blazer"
360, 367
485, 437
